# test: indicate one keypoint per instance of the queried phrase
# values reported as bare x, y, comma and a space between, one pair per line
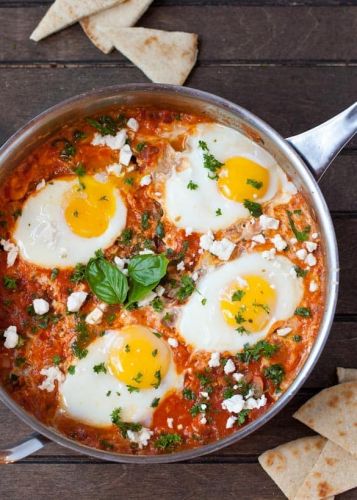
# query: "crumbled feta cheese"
279, 243
180, 266
125, 155
41, 185
203, 407
230, 422
238, 376
235, 404
11, 337
259, 238
283, 331
301, 254
63, 253
147, 299
292, 272
141, 438
229, 367
113, 142
188, 231
204, 394
203, 420
76, 300
249, 394
310, 260
222, 248
51, 374
252, 403
40, 306
101, 177
293, 241
12, 252
268, 222
172, 342
214, 360
194, 276
311, 246
170, 423
159, 290
313, 287
114, 169
146, 180
314, 236
269, 254
206, 240
133, 124
95, 316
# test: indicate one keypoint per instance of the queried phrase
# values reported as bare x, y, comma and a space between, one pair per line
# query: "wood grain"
230, 33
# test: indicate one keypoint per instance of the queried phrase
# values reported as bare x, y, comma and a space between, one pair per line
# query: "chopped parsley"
140, 146
304, 312
209, 161
254, 208
154, 353
167, 440
157, 304
275, 373
238, 295
300, 273
265, 307
299, 235
218, 212
106, 445
124, 427
191, 185
297, 338
127, 348
132, 388
204, 301
19, 361
256, 351
9, 283
242, 417
155, 403
56, 359
145, 224
104, 124
254, 183
126, 236
188, 394
241, 330
78, 274
129, 181
138, 378
72, 370
157, 376
100, 368
79, 351
79, 170
17, 213
160, 230
54, 273
187, 287
78, 135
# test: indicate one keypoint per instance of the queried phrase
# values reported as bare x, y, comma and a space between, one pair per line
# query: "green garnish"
160, 230
54, 273
132, 388
187, 287
191, 185
140, 146
56, 359
78, 274
155, 403
145, 224
157, 304
157, 376
100, 368
299, 235
166, 441
154, 353
124, 427
218, 212
254, 208
300, 273
104, 124
242, 417
9, 283
254, 183
238, 295
209, 161
304, 312
72, 370
138, 378
79, 170
275, 373
256, 351
297, 338
188, 394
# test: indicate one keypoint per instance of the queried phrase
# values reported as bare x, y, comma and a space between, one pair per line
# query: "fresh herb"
78, 135
68, 148
82, 331
275, 373
78, 274
19, 361
297, 338
304, 312
167, 441
158, 335
138, 378
127, 348
228, 392
157, 304
100, 368
155, 403
196, 409
79, 170
106, 281
218, 212
187, 287
209, 161
126, 236
242, 417
106, 445
124, 427
191, 185
299, 235
56, 359
129, 181
160, 230
239, 318
72, 370
104, 124
132, 388
241, 330
9, 283
254, 183
54, 273
157, 376
188, 394
300, 273
205, 381
145, 224
154, 353
256, 351
79, 351
17, 213
254, 208
238, 295
148, 268
140, 146
258, 305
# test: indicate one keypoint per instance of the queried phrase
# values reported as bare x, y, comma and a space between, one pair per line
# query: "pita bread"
346, 374
333, 414
119, 16
63, 13
164, 57
289, 464
334, 472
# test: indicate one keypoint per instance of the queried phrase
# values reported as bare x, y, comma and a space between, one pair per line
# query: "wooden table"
292, 65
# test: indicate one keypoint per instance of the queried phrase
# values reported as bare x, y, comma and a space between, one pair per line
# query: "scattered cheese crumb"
311, 246
235, 404
147, 299
283, 331
63, 253
259, 238
194, 276
252, 403
301, 254
292, 272
229, 367
310, 260
159, 290
133, 124
51, 374
125, 155
268, 222
313, 287
113, 142
101, 177
172, 342
146, 180
146, 251
41, 185
204, 394
269, 254
214, 360
12, 252
203, 407
95, 316
238, 376
76, 300
230, 422
114, 169
170, 423
40, 306
188, 231
141, 438
11, 337
180, 266
203, 420
293, 241
279, 243
121, 263
222, 248
314, 236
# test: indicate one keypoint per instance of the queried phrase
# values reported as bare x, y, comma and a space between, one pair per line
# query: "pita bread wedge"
120, 16
289, 464
334, 472
164, 56
63, 13
333, 414
346, 374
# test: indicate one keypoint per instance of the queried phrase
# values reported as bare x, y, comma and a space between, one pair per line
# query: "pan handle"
320, 145
23, 448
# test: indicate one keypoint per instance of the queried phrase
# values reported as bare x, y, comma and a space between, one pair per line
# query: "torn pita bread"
164, 56
334, 472
346, 374
333, 414
119, 16
289, 464
63, 13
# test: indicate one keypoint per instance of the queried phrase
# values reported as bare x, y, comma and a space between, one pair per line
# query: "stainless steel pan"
304, 157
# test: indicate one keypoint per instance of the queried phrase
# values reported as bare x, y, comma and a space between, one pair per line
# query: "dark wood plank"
279, 96
204, 3
339, 183
229, 33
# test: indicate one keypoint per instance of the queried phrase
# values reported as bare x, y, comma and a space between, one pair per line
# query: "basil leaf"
147, 269
106, 281
139, 292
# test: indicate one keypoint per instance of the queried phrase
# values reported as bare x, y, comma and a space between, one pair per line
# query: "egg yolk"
89, 207
141, 359
241, 178
248, 308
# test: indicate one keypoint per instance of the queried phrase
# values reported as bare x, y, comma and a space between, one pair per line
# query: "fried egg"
66, 221
239, 302
211, 199
136, 369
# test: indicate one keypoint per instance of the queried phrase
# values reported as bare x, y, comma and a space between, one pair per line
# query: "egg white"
84, 394
44, 237
196, 209
203, 325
